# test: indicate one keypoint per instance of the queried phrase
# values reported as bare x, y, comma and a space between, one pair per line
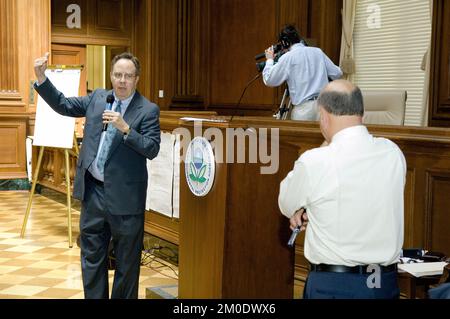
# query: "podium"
233, 241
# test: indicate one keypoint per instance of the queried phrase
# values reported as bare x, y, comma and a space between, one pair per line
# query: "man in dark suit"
111, 176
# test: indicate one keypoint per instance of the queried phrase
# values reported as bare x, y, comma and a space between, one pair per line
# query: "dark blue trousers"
97, 226
332, 285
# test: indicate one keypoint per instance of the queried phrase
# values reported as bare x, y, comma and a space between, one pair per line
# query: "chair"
384, 106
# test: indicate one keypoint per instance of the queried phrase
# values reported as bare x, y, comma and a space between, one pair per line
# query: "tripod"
285, 108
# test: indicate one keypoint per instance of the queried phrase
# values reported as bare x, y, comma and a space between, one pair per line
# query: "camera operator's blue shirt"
306, 70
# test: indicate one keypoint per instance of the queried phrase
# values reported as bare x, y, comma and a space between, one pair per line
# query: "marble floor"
41, 265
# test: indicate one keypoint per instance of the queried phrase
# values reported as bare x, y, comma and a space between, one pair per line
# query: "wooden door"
70, 55
439, 106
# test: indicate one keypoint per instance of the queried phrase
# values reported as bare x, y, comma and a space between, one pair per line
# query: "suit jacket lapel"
133, 109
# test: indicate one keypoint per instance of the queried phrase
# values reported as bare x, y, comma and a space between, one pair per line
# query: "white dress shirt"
306, 70
352, 190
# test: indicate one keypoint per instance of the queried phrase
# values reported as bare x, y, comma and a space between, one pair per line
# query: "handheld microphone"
295, 232
109, 103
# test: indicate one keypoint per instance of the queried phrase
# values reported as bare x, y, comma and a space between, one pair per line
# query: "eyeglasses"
127, 76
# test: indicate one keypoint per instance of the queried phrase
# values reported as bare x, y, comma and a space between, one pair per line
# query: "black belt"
309, 99
361, 269
93, 179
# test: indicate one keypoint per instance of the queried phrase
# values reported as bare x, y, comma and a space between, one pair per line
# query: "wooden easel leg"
33, 187
69, 210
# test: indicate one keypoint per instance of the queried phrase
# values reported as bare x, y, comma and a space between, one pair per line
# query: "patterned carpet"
41, 265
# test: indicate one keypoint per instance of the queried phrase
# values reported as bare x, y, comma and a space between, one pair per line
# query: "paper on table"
423, 269
176, 176
194, 119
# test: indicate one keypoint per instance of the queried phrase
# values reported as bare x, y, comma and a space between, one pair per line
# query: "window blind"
390, 39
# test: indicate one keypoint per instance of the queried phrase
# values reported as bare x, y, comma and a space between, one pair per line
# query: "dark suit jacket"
125, 168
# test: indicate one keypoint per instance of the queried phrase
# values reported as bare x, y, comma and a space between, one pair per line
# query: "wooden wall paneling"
409, 208
9, 82
444, 97
24, 36
111, 18
325, 26
59, 17
103, 22
141, 45
162, 226
156, 48
294, 12
143, 48
415, 204
190, 56
164, 54
417, 224
12, 147
95, 67
437, 217
34, 42
422, 158
439, 106
239, 30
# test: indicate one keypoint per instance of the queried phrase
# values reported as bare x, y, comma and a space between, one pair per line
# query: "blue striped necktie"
109, 136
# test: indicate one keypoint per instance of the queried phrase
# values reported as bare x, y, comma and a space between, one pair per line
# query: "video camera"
277, 49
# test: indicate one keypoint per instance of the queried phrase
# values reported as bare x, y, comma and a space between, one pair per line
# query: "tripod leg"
287, 113
281, 109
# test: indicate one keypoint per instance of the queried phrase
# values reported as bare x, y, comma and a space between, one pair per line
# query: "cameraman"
306, 70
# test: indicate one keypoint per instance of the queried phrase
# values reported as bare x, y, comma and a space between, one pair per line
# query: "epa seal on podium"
200, 166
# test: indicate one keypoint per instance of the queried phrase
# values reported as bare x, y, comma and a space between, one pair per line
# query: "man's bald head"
341, 97
342, 86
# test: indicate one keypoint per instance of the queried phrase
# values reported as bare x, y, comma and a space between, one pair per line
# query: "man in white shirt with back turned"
352, 191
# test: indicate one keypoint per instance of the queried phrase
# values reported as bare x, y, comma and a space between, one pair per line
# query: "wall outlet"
161, 94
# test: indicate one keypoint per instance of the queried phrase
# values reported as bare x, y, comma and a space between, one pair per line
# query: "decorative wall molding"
9, 87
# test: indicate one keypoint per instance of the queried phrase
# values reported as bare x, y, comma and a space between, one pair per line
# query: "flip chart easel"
66, 79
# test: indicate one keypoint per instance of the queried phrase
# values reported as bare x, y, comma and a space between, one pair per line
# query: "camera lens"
277, 47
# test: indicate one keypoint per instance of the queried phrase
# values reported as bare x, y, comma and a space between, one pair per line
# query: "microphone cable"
242, 95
